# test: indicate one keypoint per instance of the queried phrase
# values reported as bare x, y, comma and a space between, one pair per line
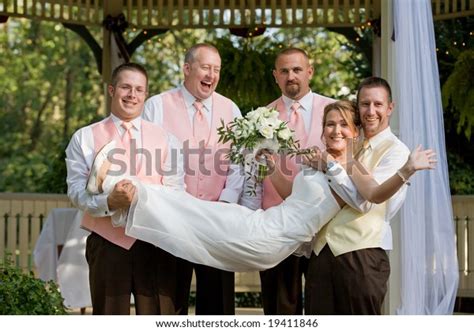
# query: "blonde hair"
348, 111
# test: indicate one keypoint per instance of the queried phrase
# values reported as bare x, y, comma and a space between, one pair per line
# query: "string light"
357, 39
447, 52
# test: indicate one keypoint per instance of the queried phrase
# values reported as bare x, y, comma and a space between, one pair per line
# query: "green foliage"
50, 86
461, 175
458, 92
247, 72
248, 299
23, 294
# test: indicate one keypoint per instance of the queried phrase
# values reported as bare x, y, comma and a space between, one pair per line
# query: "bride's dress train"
229, 236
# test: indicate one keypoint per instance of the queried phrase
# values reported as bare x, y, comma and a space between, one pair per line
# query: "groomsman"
120, 265
303, 110
193, 112
349, 268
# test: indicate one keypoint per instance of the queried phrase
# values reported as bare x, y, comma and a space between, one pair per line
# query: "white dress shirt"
153, 112
393, 160
80, 155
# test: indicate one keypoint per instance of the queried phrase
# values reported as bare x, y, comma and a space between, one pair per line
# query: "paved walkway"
238, 311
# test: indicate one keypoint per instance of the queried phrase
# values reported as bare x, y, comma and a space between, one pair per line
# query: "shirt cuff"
102, 207
336, 173
229, 195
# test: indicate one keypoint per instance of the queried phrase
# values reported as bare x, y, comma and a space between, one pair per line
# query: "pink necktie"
297, 123
126, 140
200, 125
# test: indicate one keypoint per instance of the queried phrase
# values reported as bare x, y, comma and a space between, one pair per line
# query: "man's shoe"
93, 181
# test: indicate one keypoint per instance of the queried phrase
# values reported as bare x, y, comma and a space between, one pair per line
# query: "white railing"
21, 220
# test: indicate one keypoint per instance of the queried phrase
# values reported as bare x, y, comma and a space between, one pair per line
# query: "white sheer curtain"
429, 272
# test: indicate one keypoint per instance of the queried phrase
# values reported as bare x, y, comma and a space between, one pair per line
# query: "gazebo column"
388, 71
112, 8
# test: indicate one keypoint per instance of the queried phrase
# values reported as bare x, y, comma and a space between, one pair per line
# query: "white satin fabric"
429, 272
229, 236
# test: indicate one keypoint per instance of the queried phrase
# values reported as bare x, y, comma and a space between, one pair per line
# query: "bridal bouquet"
260, 129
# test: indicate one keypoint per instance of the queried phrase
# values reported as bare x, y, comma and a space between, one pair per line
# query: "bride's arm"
377, 193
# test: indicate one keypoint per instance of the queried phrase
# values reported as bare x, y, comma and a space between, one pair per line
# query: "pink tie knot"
295, 106
198, 105
127, 125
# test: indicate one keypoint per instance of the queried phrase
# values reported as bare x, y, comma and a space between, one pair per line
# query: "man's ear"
274, 72
391, 107
111, 90
186, 68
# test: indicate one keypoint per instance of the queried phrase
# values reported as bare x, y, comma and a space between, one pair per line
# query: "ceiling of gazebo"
178, 14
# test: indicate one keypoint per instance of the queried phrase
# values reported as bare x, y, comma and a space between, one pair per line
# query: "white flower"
270, 121
285, 133
266, 131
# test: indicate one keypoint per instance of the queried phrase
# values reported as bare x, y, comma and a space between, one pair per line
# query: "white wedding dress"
229, 236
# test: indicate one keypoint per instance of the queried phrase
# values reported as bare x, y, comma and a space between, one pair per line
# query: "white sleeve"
341, 183
153, 110
173, 169
235, 178
79, 158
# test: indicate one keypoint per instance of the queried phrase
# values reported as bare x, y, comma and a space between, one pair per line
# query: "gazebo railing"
21, 221
179, 14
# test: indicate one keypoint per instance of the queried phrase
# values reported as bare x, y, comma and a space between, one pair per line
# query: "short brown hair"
127, 66
190, 55
375, 82
291, 50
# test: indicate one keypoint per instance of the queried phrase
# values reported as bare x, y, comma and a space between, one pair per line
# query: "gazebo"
243, 17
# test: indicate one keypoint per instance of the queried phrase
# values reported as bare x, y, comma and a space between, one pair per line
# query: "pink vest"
205, 174
154, 140
288, 165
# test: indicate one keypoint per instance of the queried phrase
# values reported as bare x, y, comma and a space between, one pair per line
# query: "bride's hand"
315, 159
269, 158
420, 159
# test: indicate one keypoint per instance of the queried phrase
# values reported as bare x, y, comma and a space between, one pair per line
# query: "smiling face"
292, 73
202, 73
337, 133
375, 109
128, 94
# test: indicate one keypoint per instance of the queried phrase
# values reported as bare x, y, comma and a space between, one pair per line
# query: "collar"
118, 122
189, 99
306, 102
380, 137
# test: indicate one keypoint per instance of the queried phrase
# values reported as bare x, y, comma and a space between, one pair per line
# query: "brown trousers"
282, 289
115, 273
352, 283
215, 289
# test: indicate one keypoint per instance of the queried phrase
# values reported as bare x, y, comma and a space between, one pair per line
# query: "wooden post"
113, 8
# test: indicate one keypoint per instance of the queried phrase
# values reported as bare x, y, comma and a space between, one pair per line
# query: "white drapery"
429, 272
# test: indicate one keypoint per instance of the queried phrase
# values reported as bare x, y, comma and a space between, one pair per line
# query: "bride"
234, 238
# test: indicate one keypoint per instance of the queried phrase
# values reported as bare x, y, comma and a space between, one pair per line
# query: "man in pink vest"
120, 265
193, 112
303, 110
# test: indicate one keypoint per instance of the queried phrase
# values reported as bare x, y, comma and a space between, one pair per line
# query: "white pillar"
387, 66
